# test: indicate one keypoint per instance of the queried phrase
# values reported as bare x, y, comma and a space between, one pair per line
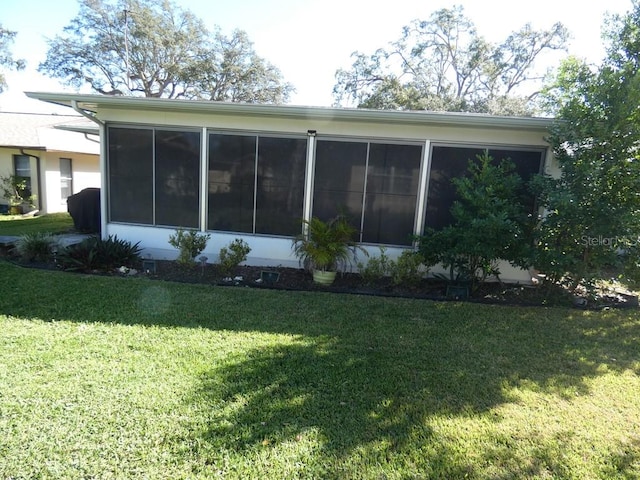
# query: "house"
253, 171
54, 161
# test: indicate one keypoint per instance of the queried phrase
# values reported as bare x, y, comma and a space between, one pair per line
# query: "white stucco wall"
85, 171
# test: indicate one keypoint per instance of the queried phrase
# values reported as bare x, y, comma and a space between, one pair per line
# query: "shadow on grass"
363, 373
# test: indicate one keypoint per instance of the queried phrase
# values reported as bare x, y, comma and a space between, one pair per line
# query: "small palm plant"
326, 246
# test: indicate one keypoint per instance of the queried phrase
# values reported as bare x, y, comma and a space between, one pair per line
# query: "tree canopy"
155, 49
6, 58
443, 64
593, 209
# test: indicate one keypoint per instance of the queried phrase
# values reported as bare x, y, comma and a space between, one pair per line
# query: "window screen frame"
66, 178
369, 141
542, 150
16, 159
257, 135
153, 183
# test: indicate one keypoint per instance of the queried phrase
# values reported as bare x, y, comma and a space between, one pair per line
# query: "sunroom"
255, 171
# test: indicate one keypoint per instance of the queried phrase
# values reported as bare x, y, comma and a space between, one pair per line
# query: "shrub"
490, 224
409, 269
97, 254
190, 244
233, 255
376, 268
35, 246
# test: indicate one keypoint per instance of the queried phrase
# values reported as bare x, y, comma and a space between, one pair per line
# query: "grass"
104, 377
49, 223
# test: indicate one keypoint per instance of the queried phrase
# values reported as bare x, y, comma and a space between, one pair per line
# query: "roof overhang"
24, 147
93, 103
89, 129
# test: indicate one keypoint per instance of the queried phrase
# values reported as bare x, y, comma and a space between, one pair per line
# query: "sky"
307, 41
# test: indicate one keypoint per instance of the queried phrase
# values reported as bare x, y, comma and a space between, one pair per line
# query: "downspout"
88, 138
103, 166
38, 176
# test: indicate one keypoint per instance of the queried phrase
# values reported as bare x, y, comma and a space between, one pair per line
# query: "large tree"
444, 64
154, 48
6, 58
593, 209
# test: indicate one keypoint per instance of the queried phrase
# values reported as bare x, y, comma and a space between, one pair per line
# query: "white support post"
308, 183
204, 181
104, 181
423, 188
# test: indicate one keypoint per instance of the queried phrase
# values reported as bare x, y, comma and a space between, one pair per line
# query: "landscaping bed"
429, 288
297, 279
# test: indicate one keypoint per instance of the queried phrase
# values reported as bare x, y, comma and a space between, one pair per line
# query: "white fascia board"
94, 103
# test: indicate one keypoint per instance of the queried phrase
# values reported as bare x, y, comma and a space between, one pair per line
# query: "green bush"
190, 244
233, 255
376, 268
490, 223
409, 269
35, 246
97, 254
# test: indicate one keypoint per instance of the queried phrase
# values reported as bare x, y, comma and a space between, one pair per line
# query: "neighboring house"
55, 162
254, 171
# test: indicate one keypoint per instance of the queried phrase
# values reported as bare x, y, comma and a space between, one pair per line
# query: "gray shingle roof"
26, 129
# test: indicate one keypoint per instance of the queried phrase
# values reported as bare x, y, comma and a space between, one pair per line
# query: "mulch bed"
297, 279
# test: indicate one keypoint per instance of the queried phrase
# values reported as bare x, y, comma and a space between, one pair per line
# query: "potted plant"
13, 190
326, 247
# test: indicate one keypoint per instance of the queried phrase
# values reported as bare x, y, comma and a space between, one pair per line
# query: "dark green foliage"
490, 224
233, 255
97, 254
594, 207
190, 243
35, 246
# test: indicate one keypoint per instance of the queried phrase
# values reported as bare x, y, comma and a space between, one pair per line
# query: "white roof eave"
94, 103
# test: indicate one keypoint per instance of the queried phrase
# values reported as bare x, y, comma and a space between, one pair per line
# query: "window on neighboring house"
373, 183
22, 171
256, 183
154, 176
448, 162
66, 179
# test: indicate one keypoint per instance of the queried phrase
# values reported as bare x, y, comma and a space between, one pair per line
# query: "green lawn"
130, 378
50, 223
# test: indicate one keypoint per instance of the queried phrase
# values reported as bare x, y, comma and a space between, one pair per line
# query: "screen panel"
280, 185
231, 182
177, 178
130, 171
